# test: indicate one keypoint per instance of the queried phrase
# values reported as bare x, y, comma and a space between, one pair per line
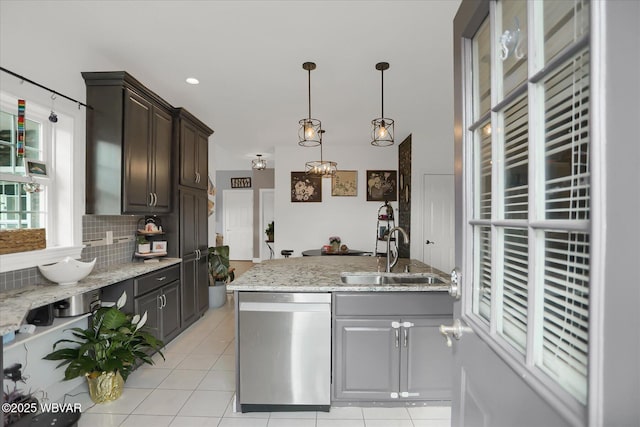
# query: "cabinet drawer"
393, 304
154, 280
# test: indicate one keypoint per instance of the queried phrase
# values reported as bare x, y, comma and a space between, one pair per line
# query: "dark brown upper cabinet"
193, 137
129, 143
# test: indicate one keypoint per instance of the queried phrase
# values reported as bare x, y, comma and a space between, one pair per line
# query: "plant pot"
218, 295
105, 387
270, 237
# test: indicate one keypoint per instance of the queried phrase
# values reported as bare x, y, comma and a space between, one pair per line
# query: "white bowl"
68, 271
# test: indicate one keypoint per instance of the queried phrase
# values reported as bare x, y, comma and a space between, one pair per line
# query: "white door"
438, 223
238, 223
523, 210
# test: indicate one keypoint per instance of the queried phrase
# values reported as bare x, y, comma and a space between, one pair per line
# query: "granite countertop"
322, 274
16, 303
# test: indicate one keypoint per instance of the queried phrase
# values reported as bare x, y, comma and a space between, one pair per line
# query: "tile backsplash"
94, 229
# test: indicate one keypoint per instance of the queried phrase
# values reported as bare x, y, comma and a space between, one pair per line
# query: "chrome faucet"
406, 240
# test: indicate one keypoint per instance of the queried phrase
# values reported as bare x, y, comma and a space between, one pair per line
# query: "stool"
286, 253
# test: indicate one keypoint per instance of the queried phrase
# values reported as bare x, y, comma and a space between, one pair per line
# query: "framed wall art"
159, 246
382, 186
344, 183
305, 188
36, 168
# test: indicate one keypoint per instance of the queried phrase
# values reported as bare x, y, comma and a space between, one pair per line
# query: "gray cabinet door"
137, 137
202, 235
188, 154
194, 148
171, 311
189, 291
150, 303
161, 160
425, 371
202, 160
367, 359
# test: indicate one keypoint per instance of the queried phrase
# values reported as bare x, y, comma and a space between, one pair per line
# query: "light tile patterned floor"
195, 385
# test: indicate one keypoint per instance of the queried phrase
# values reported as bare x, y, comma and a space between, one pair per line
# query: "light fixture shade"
323, 168
309, 133
259, 163
382, 133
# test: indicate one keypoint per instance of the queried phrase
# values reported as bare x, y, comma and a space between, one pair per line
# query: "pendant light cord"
309, 80
382, 91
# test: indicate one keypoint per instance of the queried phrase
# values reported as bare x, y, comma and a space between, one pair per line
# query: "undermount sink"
369, 278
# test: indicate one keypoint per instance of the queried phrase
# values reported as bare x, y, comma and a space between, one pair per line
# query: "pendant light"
382, 133
259, 163
309, 133
323, 168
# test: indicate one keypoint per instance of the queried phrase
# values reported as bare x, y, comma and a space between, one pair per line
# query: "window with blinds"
531, 187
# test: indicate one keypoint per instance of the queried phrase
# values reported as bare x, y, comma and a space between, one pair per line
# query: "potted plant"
107, 351
25, 404
269, 232
143, 245
220, 273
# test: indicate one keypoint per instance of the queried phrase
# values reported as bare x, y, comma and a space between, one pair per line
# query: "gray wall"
261, 179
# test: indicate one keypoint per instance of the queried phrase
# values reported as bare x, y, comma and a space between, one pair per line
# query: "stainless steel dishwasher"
284, 351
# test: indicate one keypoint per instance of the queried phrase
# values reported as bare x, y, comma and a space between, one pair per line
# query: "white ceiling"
248, 57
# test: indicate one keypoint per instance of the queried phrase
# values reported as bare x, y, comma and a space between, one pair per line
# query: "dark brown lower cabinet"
163, 311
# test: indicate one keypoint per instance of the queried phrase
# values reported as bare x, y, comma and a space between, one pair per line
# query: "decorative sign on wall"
241, 182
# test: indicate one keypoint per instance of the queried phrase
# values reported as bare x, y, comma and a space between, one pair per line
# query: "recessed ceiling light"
192, 80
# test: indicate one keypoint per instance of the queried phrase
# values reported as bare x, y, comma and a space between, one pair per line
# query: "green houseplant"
107, 351
220, 273
270, 231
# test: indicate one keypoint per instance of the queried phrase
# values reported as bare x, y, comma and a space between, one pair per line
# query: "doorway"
438, 225
237, 223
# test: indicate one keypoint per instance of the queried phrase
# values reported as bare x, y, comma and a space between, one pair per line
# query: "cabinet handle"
150, 199
160, 279
408, 394
393, 395
397, 338
197, 177
160, 302
406, 337
155, 199
164, 300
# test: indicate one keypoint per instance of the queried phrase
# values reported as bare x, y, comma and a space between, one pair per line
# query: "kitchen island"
307, 341
322, 274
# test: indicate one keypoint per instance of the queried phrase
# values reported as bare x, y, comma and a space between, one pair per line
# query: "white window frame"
522, 363
65, 161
